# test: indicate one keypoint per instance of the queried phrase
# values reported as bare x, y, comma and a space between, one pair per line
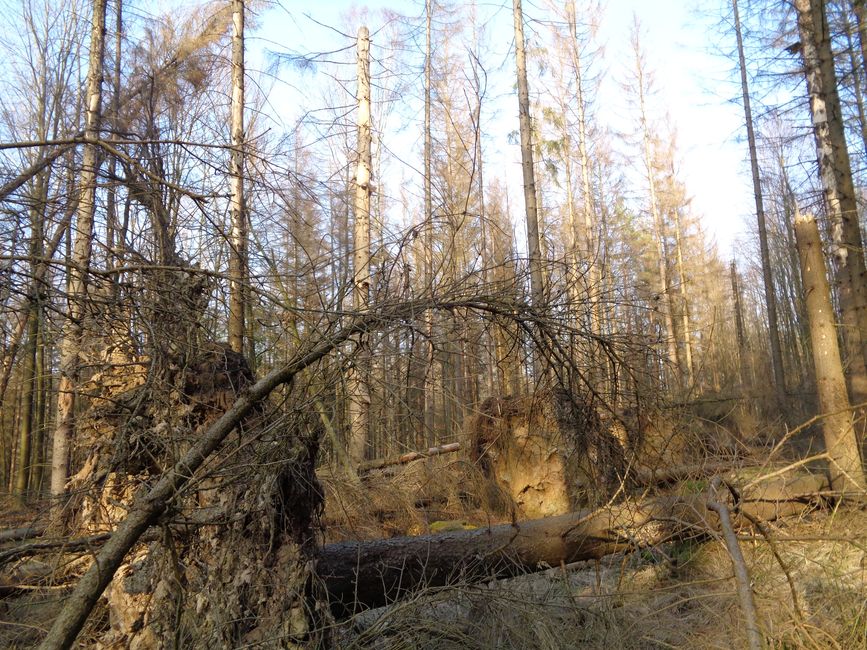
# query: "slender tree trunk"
847, 474
740, 333
857, 80
589, 205
858, 9
26, 410
836, 175
537, 291
71, 341
359, 390
767, 275
41, 386
112, 226
664, 299
685, 324
238, 236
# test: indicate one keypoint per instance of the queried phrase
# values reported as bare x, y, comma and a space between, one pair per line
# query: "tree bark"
359, 389
767, 274
841, 444
534, 251
836, 176
71, 342
238, 235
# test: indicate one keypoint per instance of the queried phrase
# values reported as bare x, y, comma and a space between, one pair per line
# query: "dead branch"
742, 576
408, 457
65, 545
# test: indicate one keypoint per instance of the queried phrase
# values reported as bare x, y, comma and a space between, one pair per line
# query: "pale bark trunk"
70, 345
836, 175
429, 393
238, 235
847, 474
767, 275
534, 251
359, 390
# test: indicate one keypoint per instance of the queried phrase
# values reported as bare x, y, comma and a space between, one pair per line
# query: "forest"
417, 336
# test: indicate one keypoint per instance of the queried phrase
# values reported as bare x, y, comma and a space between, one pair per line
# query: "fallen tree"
362, 575
148, 494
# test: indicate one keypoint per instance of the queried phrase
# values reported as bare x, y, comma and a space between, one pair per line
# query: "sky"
693, 81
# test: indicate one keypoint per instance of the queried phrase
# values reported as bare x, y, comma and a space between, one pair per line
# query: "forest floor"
808, 573
680, 595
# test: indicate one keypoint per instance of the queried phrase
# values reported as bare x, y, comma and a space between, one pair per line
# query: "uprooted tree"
236, 514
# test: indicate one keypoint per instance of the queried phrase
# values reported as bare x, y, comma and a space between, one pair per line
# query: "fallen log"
368, 574
361, 575
20, 534
408, 457
646, 475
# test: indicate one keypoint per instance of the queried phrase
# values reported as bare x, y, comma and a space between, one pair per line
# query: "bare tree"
73, 332
238, 238
359, 389
836, 175
534, 251
767, 275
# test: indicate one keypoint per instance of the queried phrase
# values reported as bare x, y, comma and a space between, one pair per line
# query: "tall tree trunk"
238, 236
41, 390
857, 79
664, 299
859, 9
767, 275
684, 316
112, 242
836, 174
73, 331
841, 444
429, 393
26, 418
589, 205
359, 390
537, 291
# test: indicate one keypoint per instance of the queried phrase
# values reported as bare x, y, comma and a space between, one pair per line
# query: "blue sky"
693, 82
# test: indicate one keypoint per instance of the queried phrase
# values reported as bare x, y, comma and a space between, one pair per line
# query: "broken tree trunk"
362, 575
838, 426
